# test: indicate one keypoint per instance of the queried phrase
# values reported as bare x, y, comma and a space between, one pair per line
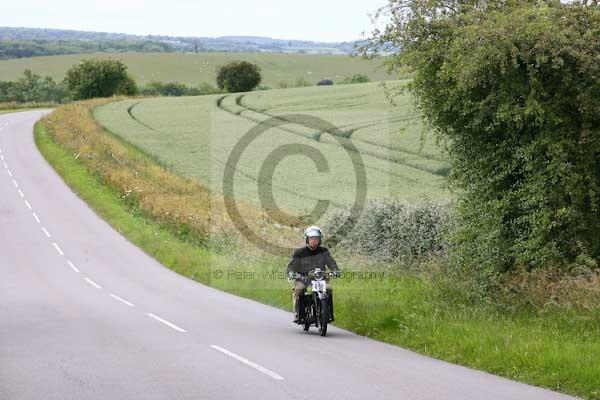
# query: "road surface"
84, 314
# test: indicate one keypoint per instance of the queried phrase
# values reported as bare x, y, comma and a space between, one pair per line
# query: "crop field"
195, 137
191, 69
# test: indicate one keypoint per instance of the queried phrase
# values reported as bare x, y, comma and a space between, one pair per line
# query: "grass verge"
557, 349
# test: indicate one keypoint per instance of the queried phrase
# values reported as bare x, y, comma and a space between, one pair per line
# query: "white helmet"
313, 231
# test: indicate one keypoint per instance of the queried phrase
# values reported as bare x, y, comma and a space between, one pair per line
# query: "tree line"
104, 78
30, 42
34, 48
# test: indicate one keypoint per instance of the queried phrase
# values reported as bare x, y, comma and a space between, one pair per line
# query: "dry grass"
551, 289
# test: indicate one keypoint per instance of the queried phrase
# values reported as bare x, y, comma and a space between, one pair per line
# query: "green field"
194, 137
193, 68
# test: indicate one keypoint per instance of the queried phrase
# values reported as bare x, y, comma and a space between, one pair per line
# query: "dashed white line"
15, 182
159, 319
21, 193
73, 267
249, 363
122, 300
36, 218
8, 170
27, 204
44, 229
1, 157
91, 282
58, 249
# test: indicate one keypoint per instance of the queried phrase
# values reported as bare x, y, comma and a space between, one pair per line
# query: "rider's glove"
336, 273
291, 275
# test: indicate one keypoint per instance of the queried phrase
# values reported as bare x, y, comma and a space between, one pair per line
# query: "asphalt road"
84, 314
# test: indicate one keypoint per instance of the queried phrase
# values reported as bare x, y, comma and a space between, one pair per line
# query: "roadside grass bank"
554, 347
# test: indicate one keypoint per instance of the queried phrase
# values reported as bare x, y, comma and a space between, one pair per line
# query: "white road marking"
114, 296
248, 362
58, 249
9, 173
178, 329
73, 267
21, 193
27, 204
15, 182
91, 282
45, 231
1, 157
36, 218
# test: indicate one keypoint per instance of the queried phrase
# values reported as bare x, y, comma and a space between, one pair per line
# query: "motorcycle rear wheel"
307, 314
323, 318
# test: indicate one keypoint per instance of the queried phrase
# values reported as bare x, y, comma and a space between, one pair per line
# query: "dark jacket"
304, 260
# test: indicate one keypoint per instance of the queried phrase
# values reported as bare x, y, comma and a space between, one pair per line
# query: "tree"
33, 88
99, 78
511, 88
5, 91
238, 76
128, 87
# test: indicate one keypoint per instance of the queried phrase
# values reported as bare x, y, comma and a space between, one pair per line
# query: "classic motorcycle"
316, 306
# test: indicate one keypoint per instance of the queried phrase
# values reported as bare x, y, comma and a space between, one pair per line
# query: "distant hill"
30, 42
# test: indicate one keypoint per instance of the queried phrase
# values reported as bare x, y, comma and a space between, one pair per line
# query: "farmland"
194, 136
191, 68
435, 317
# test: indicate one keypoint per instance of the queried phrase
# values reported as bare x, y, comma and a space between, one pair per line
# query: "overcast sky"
319, 20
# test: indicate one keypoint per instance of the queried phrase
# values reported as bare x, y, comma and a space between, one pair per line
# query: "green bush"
356, 78
512, 90
302, 82
156, 88
325, 82
392, 230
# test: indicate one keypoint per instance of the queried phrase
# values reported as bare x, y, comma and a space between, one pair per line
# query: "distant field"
193, 68
194, 136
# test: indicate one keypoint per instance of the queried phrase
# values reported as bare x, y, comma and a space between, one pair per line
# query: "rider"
307, 258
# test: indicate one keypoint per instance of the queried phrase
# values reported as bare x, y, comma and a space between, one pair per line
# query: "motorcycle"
316, 306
